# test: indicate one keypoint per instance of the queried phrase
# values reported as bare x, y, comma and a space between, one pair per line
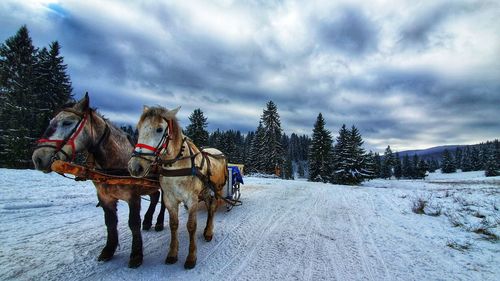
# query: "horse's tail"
222, 163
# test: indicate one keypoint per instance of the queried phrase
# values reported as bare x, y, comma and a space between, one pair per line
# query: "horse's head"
64, 137
159, 138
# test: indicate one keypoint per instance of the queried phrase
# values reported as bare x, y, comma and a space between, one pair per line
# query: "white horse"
187, 174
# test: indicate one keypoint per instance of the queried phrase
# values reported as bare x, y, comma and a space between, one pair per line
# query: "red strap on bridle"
145, 146
160, 146
71, 141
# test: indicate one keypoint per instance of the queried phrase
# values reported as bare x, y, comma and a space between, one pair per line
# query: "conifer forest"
34, 85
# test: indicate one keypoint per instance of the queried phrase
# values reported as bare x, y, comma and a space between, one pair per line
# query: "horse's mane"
157, 113
114, 129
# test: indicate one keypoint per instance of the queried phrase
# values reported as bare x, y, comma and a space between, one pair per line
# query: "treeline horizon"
34, 85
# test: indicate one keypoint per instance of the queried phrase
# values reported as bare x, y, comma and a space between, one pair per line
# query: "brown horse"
187, 174
80, 128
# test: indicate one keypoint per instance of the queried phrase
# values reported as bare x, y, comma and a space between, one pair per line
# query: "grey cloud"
203, 71
417, 30
350, 32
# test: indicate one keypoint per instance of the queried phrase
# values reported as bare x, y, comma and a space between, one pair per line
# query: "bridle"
69, 139
159, 150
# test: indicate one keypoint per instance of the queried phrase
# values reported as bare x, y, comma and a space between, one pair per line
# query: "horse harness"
158, 164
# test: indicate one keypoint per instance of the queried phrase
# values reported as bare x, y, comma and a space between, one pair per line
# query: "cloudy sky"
412, 74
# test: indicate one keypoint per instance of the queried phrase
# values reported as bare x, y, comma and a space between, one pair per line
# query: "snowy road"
285, 230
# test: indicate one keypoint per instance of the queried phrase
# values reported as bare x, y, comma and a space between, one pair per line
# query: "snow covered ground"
285, 230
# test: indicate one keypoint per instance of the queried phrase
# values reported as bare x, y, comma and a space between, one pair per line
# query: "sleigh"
232, 190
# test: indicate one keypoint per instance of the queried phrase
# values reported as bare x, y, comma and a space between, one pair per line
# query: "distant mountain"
429, 153
437, 151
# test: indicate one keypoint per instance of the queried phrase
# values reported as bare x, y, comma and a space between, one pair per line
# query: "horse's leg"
161, 216
148, 217
191, 226
111, 221
211, 209
173, 215
134, 222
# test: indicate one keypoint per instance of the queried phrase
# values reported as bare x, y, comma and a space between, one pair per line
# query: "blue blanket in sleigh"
236, 174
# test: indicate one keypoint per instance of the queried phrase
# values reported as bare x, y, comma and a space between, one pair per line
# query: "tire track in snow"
373, 261
264, 216
253, 243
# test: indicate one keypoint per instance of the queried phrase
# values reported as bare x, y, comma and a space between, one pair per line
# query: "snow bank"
285, 230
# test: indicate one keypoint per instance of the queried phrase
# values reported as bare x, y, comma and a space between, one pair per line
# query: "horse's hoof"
189, 264
135, 262
146, 227
105, 256
171, 260
208, 238
159, 227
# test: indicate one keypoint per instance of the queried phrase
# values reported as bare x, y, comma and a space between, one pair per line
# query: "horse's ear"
83, 104
174, 111
145, 108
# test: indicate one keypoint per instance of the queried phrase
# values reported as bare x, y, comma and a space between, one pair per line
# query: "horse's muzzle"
136, 168
42, 160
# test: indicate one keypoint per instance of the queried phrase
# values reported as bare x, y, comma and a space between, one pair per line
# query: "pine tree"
272, 139
300, 170
53, 84
458, 158
484, 152
378, 165
398, 169
256, 163
414, 167
370, 166
33, 84
295, 147
358, 167
496, 152
433, 165
131, 133
18, 110
387, 163
341, 154
467, 160
421, 170
476, 159
349, 161
247, 147
239, 142
285, 145
288, 169
304, 145
196, 130
320, 153
448, 164
406, 167
491, 168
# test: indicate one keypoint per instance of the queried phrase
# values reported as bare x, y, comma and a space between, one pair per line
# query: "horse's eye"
66, 123
159, 130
